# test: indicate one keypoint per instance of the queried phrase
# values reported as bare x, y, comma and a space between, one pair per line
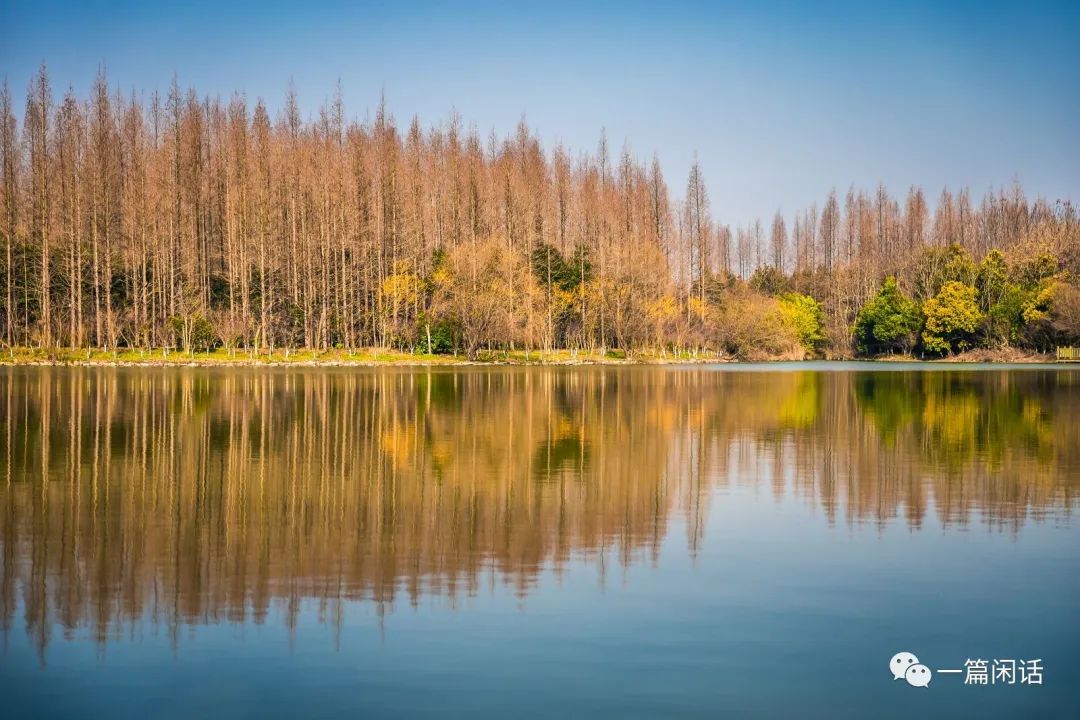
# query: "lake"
632, 541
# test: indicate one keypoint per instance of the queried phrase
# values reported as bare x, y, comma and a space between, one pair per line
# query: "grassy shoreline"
382, 357
368, 357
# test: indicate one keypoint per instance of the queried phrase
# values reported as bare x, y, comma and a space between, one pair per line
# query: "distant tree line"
192, 222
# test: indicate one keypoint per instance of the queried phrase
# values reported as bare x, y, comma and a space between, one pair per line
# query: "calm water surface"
536, 542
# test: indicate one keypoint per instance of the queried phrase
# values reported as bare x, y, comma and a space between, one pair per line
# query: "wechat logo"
905, 666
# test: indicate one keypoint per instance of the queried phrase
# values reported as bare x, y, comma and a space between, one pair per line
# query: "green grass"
366, 356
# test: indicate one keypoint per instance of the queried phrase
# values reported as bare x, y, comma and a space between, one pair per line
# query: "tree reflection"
186, 497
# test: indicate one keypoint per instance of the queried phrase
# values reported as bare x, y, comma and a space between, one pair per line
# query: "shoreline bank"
25, 357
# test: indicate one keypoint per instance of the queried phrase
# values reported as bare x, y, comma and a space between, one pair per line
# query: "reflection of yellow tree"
188, 497
992, 441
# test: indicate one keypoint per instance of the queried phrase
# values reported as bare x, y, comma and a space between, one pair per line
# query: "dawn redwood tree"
135, 220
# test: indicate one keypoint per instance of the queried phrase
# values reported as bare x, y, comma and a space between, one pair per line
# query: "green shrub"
952, 318
806, 316
888, 323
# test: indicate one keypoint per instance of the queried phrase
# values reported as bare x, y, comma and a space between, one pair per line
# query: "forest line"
192, 222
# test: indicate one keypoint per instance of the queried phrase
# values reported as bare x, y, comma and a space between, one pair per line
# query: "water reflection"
186, 497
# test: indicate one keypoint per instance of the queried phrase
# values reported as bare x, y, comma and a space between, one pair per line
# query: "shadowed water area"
593, 541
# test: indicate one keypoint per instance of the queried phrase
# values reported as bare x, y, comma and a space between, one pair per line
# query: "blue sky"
781, 101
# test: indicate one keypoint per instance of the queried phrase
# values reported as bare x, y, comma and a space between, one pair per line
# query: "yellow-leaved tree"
481, 290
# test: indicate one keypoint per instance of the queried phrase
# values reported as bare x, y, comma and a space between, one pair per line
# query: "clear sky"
781, 101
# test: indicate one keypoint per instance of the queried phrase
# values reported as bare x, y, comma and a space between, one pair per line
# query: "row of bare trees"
138, 222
